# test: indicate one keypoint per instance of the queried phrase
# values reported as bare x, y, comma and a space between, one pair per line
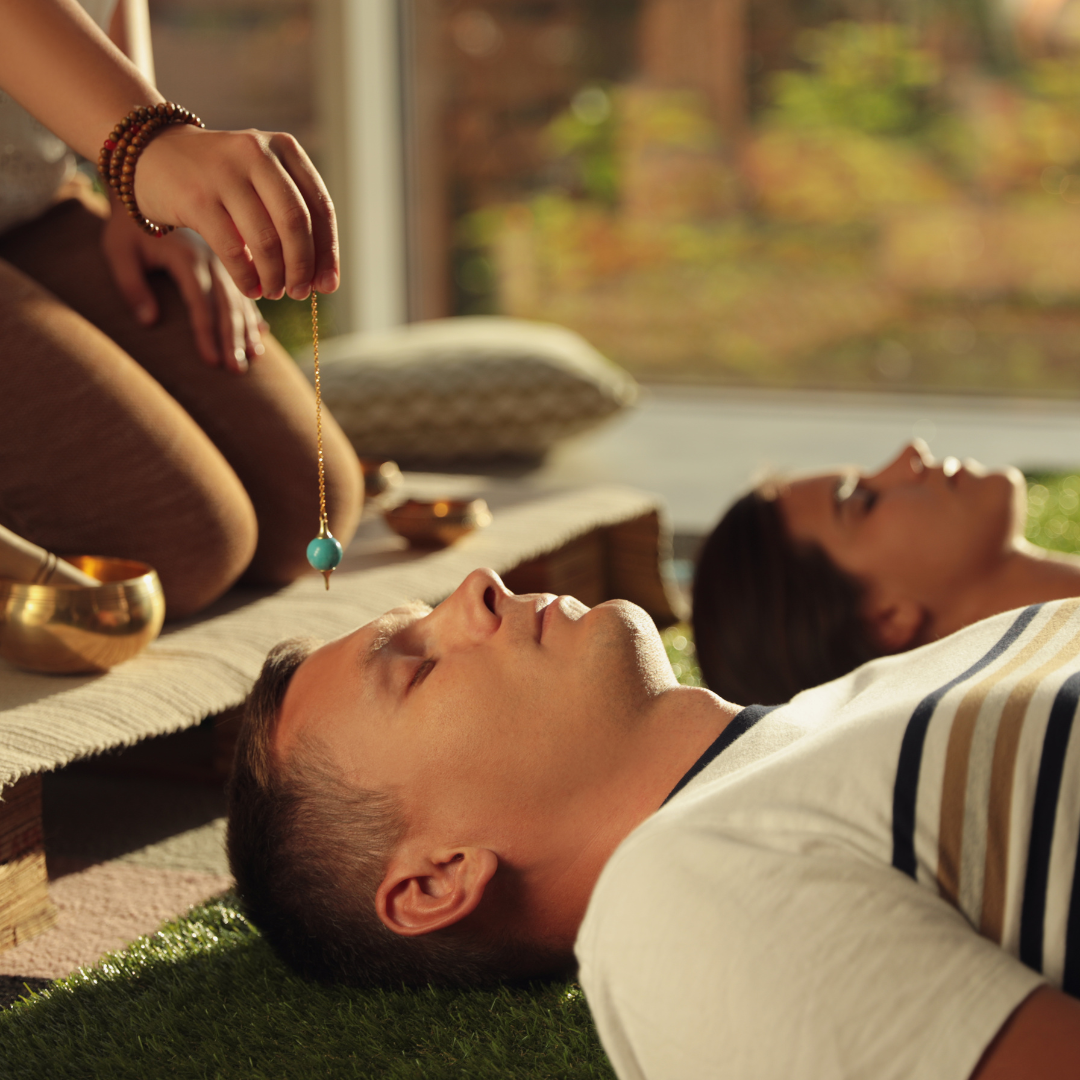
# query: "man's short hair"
309, 851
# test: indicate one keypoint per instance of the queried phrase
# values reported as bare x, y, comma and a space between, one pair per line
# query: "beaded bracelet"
127, 141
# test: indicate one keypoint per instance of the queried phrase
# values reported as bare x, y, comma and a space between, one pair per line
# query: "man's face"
921, 527
485, 711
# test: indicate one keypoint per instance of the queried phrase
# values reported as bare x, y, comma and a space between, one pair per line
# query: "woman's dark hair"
772, 616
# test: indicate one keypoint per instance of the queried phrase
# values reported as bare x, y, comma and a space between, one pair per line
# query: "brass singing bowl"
75, 628
437, 523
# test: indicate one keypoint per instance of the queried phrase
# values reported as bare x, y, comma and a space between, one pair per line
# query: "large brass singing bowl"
73, 628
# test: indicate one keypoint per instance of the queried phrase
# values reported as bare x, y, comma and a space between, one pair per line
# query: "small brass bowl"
72, 628
438, 523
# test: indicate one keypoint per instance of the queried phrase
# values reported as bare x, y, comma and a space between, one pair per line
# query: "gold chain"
318, 409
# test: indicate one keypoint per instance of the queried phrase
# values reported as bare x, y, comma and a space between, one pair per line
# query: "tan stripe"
1002, 773
954, 783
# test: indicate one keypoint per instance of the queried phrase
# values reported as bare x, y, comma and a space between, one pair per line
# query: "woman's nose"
912, 461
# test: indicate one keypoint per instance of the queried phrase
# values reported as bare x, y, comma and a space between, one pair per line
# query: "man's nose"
908, 466
471, 611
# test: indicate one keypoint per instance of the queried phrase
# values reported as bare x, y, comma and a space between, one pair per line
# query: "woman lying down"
808, 576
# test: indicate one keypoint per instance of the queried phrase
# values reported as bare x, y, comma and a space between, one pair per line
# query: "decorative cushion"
471, 387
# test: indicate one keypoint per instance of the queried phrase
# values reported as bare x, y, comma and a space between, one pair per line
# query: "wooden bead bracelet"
127, 141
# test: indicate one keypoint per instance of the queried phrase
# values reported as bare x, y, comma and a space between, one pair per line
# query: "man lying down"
875, 880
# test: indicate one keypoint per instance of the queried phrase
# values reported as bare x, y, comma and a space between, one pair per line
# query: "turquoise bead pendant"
324, 552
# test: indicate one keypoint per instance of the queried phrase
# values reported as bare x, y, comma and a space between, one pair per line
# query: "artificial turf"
205, 997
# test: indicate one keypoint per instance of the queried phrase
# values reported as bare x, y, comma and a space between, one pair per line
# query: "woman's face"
918, 529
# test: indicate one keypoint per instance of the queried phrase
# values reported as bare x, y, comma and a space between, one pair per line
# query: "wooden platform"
25, 908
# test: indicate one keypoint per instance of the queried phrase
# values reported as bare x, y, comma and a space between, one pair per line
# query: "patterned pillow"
473, 387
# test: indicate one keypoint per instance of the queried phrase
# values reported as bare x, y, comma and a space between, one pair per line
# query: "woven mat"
206, 665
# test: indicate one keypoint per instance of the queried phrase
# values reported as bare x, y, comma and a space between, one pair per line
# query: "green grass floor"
204, 996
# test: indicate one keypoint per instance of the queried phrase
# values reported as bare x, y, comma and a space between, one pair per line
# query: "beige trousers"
118, 439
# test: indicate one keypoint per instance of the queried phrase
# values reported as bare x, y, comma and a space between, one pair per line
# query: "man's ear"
422, 894
895, 624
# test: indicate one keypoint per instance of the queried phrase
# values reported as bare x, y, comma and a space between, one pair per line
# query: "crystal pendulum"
324, 552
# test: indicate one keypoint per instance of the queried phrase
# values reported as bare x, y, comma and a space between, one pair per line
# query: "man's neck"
682, 725
1027, 575
688, 721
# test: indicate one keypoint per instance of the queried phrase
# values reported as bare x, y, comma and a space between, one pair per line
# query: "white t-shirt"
33, 161
866, 883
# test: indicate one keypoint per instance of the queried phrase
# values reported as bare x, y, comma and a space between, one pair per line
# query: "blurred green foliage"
582, 141
1053, 519
868, 77
899, 213
290, 321
679, 644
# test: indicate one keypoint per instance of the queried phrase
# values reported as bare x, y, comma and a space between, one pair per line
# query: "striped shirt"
980, 809
864, 882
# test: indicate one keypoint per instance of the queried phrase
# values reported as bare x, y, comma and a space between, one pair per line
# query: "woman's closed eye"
422, 672
864, 499
867, 496
853, 498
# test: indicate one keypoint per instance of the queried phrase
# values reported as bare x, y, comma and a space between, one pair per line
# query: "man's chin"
629, 629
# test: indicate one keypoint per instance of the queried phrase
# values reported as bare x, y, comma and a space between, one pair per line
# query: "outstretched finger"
254, 328
327, 269
230, 324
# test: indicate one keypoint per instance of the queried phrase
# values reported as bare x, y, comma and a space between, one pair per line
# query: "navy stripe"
911, 749
1070, 983
744, 720
1044, 811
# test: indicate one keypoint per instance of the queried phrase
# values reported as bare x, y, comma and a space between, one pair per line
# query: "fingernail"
145, 314
328, 281
254, 292
258, 348
241, 359
299, 292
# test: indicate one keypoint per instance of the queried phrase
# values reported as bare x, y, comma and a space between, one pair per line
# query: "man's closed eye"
421, 672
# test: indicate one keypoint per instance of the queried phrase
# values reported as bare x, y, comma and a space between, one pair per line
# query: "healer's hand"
254, 197
228, 327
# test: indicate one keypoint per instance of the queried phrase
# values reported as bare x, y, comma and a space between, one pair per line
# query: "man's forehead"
334, 673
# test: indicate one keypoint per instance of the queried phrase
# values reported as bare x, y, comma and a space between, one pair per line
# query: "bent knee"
214, 546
